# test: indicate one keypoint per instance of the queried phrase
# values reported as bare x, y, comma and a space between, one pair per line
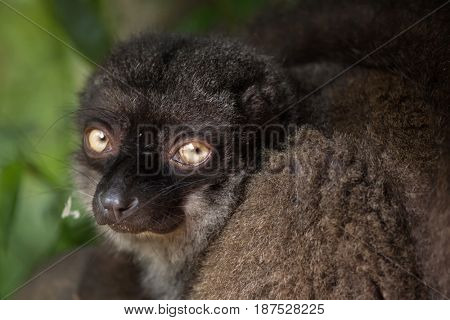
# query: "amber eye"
192, 153
97, 140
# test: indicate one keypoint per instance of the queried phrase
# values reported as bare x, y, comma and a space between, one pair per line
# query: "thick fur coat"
329, 226
355, 205
366, 212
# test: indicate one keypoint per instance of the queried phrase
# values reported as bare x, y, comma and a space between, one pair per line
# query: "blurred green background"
40, 76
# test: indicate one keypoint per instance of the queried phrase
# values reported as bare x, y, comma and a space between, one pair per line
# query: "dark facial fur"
152, 93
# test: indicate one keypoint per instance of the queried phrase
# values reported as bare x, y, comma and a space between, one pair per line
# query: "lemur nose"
117, 206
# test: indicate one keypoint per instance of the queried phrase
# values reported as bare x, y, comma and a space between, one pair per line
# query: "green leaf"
10, 179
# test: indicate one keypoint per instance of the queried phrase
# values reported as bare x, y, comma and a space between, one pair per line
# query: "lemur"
179, 133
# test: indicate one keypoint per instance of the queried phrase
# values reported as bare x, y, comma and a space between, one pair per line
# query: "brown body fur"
373, 183
333, 228
357, 218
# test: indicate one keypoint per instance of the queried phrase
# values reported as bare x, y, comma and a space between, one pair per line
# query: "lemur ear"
271, 94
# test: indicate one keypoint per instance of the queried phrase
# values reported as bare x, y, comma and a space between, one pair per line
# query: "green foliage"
82, 20
230, 14
40, 75
39, 79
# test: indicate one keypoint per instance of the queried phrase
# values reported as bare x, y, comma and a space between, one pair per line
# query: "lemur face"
166, 119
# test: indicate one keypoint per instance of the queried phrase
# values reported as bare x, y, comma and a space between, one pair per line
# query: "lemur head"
165, 126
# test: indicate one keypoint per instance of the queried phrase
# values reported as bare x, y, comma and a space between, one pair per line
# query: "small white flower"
68, 212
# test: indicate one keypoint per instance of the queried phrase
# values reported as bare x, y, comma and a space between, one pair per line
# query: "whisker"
69, 166
51, 127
